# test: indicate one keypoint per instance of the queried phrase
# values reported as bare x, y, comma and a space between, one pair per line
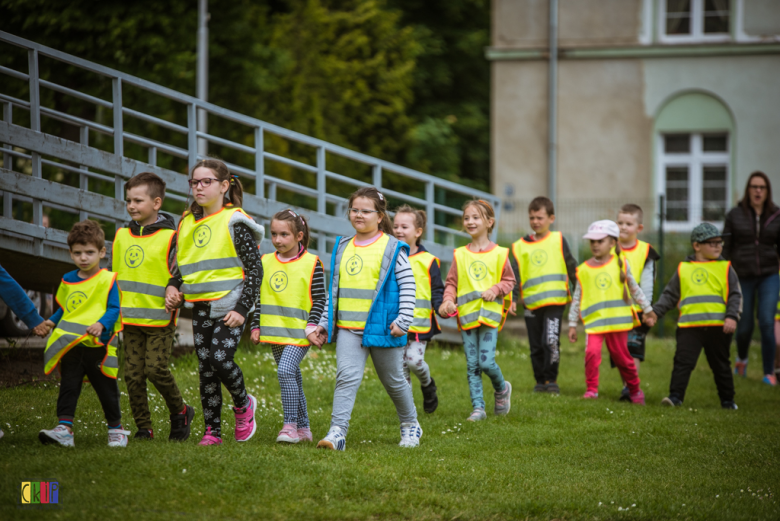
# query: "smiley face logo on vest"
201, 236
134, 256
700, 276
478, 270
354, 265
278, 281
539, 258
75, 300
603, 281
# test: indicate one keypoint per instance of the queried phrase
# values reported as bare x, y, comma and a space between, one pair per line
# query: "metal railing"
319, 183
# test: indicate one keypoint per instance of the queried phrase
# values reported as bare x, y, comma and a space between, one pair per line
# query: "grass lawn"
550, 458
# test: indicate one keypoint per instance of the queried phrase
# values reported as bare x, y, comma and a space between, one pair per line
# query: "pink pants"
617, 344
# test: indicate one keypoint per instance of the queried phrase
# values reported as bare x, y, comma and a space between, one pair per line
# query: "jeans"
479, 344
765, 289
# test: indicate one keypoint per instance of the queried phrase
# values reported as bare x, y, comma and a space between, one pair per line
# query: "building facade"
672, 97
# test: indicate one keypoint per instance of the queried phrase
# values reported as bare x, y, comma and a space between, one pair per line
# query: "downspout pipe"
552, 105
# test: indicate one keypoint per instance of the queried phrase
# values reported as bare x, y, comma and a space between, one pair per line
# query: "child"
84, 338
706, 289
292, 297
144, 259
479, 280
221, 273
642, 258
370, 308
777, 343
606, 309
408, 226
543, 266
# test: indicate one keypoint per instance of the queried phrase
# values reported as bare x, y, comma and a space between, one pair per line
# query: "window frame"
697, 34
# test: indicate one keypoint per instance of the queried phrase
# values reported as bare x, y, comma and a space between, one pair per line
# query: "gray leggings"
351, 359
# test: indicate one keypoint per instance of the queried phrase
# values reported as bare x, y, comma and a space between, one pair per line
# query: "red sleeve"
451, 284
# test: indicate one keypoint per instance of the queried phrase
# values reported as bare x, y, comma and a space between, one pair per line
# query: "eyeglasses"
206, 182
757, 187
359, 211
714, 243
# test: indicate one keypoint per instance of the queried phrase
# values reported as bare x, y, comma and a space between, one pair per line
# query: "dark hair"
542, 202
484, 208
296, 222
420, 218
235, 193
87, 232
633, 209
380, 205
154, 185
769, 204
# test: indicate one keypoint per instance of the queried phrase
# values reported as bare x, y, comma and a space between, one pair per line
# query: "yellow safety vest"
358, 277
207, 258
637, 257
543, 278
602, 307
421, 262
141, 265
478, 272
83, 303
704, 289
285, 299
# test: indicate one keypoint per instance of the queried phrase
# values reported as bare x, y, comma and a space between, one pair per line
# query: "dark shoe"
430, 400
552, 388
144, 434
728, 405
671, 401
540, 388
181, 423
625, 395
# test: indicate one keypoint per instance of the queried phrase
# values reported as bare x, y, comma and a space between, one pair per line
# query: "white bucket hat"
600, 229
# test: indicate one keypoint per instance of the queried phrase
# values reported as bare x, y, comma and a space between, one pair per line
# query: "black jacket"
752, 256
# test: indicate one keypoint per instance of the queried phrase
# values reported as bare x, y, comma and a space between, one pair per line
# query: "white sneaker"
334, 440
410, 434
58, 434
117, 437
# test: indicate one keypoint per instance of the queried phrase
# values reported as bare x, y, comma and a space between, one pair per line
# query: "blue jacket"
385, 307
16, 299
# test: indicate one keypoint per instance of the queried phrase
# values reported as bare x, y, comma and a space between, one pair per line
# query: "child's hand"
572, 334
41, 329
173, 299
729, 326
315, 339
95, 329
234, 319
448, 308
255, 336
513, 309
396, 331
489, 295
650, 318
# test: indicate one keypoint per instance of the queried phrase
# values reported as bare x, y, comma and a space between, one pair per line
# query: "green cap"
704, 232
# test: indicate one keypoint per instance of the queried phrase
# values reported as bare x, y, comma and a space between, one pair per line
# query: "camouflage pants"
147, 350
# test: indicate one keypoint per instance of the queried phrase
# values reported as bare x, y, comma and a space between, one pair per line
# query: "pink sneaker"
245, 420
304, 434
210, 439
638, 398
590, 395
288, 434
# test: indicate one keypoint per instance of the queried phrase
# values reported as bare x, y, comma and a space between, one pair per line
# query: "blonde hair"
420, 218
485, 210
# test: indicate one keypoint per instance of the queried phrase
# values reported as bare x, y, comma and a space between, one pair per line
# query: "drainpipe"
552, 107
202, 73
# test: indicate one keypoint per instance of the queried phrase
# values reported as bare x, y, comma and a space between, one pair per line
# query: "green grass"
551, 457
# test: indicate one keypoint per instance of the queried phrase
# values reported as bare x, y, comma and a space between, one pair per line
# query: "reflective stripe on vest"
82, 303
637, 258
141, 265
358, 277
285, 299
421, 262
704, 289
602, 307
478, 272
543, 278
207, 257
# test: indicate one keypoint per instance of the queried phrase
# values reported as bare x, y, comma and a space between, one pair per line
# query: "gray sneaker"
477, 415
503, 400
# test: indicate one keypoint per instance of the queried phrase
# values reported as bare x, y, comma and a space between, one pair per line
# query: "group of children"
382, 297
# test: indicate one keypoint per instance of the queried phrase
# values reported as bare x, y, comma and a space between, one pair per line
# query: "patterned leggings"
479, 345
288, 359
414, 361
216, 345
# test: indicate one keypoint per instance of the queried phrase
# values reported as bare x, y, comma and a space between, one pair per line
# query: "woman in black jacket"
752, 237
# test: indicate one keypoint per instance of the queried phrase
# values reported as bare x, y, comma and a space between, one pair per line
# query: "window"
695, 178
686, 21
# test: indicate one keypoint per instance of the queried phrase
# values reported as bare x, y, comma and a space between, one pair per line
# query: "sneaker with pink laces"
288, 434
304, 434
638, 398
210, 439
245, 420
590, 395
